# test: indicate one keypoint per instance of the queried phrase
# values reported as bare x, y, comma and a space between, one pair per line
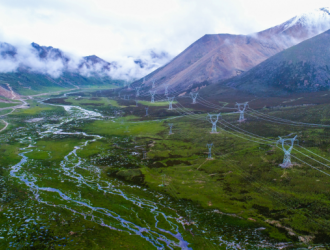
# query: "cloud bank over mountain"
51, 61
117, 29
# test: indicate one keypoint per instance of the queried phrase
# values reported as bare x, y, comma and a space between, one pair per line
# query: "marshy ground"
78, 179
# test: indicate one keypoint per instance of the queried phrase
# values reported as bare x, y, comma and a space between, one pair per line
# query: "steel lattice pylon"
152, 93
241, 108
170, 100
137, 91
170, 125
287, 152
194, 97
166, 90
214, 119
209, 146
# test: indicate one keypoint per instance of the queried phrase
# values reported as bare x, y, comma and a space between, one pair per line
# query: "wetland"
89, 170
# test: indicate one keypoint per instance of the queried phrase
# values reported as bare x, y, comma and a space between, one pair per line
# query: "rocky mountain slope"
216, 57
304, 67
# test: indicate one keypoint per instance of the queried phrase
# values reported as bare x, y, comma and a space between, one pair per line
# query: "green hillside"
25, 83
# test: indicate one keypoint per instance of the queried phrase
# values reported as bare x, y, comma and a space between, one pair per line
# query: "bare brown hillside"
216, 57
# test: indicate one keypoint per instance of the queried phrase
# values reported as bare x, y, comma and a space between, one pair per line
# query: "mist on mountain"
53, 62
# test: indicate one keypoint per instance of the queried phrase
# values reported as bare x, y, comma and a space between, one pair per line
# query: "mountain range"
272, 61
32, 69
301, 68
214, 58
304, 67
53, 61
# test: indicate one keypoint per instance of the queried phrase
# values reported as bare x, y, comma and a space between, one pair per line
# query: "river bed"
69, 185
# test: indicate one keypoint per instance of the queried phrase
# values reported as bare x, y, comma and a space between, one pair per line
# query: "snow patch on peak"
326, 10
317, 20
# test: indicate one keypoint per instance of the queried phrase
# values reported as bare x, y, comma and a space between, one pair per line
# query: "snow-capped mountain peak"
314, 20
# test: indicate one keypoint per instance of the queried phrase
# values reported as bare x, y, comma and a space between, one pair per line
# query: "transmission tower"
209, 146
163, 181
126, 131
137, 91
153, 83
241, 108
287, 152
166, 90
152, 93
126, 97
147, 111
170, 125
170, 100
214, 119
194, 97
163, 175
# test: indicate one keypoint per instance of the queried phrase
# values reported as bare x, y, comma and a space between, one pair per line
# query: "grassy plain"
4, 112
244, 178
6, 105
2, 124
157, 103
241, 188
27, 83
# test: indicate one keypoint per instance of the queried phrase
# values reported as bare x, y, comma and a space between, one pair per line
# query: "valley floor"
93, 171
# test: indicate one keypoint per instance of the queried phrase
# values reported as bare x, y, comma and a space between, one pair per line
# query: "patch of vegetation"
156, 103
6, 105
241, 188
26, 83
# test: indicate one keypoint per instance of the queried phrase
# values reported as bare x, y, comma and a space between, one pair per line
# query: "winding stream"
163, 231
159, 237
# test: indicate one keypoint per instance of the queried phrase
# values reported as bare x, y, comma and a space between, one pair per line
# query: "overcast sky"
115, 28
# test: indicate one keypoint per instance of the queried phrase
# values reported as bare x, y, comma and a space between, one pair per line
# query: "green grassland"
244, 178
57, 228
157, 103
52, 150
4, 112
122, 128
6, 105
241, 188
90, 102
35, 108
2, 124
11, 100
26, 83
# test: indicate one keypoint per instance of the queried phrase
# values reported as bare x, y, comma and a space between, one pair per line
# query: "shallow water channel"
66, 185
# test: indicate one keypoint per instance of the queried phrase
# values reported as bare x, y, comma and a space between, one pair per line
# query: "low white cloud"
26, 57
55, 62
114, 29
125, 30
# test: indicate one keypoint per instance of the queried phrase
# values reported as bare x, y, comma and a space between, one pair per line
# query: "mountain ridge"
216, 57
304, 67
